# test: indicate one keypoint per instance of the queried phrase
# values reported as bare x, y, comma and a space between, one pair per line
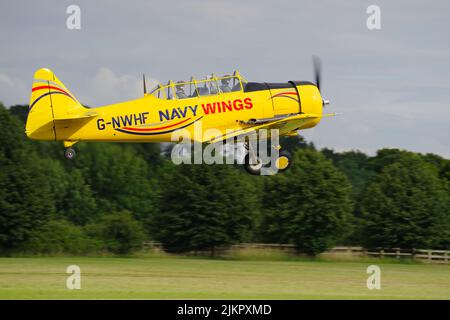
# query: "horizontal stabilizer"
86, 115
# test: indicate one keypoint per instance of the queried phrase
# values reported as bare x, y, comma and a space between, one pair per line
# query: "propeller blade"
145, 87
317, 65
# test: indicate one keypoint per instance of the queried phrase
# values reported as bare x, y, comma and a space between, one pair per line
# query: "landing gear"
253, 163
252, 167
284, 161
69, 153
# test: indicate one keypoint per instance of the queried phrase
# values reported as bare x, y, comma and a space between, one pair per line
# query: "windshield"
207, 86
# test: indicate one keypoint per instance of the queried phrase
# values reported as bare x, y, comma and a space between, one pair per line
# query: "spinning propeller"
317, 66
145, 86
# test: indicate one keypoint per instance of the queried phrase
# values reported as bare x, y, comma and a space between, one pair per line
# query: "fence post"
429, 255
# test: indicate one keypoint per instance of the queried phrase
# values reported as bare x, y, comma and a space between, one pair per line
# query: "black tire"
286, 156
254, 169
69, 153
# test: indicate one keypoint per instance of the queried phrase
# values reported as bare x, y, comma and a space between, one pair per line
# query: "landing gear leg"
252, 163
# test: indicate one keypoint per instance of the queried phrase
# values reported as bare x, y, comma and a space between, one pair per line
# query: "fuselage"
150, 119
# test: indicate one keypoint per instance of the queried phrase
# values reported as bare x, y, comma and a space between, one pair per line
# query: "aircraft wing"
285, 124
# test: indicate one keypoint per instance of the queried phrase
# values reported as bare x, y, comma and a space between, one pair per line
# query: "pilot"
180, 90
225, 87
237, 85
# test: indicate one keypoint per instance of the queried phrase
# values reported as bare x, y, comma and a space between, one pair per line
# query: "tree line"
113, 197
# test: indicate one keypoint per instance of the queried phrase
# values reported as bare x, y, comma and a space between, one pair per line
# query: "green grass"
193, 278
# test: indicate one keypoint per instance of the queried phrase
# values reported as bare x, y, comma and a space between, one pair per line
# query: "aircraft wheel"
254, 169
69, 153
284, 161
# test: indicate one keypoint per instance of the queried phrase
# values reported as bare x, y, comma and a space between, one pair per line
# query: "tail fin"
50, 101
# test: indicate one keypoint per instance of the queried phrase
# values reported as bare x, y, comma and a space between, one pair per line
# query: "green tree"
308, 205
119, 232
386, 157
354, 164
119, 178
203, 207
293, 143
406, 205
76, 202
20, 111
59, 237
443, 165
151, 152
25, 193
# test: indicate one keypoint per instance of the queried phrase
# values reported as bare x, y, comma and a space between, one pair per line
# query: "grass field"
195, 278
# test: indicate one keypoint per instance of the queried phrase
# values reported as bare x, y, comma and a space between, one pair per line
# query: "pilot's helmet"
180, 86
225, 80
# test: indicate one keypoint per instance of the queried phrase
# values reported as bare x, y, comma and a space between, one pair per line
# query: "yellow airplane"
230, 104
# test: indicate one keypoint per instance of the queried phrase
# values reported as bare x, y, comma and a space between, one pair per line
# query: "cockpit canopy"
211, 85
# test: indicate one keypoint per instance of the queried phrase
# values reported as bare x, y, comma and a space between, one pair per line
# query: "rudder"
50, 100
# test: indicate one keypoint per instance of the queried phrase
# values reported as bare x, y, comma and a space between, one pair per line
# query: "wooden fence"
425, 255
